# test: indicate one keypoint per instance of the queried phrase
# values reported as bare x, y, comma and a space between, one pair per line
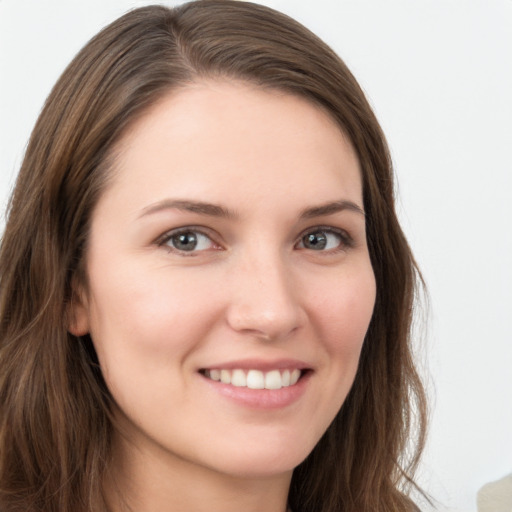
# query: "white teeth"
255, 379
273, 380
214, 374
238, 378
294, 377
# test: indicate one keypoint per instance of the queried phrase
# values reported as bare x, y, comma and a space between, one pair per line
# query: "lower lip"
261, 398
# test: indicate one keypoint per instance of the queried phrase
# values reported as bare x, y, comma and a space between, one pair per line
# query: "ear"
78, 313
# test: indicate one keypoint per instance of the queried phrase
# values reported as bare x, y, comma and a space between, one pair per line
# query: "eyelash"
345, 240
164, 241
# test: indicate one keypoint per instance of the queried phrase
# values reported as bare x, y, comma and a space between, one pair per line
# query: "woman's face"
229, 245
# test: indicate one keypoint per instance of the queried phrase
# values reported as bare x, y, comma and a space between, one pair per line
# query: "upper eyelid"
215, 237
164, 237
347, 241
330, 229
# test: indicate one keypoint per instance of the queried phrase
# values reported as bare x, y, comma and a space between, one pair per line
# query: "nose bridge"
264, 300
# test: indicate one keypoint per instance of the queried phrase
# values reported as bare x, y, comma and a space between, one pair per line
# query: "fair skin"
230, 244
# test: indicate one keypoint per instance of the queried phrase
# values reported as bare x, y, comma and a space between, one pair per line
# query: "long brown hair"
55, 410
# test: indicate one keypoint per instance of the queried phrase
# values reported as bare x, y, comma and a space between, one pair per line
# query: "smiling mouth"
255, 379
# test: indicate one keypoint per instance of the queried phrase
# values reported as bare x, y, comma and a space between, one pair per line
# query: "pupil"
185, 241
315, 241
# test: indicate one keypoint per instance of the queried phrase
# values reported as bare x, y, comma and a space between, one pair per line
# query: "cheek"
139, 319
144, 326
340, 309
344, 309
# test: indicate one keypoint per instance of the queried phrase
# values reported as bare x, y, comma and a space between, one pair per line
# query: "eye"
324, 239
187, 240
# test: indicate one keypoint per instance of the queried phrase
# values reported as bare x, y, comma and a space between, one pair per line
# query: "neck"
145, 479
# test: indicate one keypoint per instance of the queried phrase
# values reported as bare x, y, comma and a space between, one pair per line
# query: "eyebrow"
199, 207
215, 210
331, 208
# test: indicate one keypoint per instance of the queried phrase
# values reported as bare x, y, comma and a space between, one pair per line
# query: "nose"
265, 300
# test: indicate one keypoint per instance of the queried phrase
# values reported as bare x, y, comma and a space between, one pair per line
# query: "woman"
206, 296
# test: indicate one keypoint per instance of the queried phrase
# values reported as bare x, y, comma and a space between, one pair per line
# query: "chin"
257, 461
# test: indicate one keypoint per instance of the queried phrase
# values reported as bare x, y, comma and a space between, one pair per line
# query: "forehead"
215, 132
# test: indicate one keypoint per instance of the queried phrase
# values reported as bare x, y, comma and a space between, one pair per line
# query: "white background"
439, 74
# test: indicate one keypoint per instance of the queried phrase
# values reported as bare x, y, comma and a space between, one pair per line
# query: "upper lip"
260, 364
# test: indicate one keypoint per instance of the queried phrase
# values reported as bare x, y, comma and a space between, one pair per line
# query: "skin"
252, 289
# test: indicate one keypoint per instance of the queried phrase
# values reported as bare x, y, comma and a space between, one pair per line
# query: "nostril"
266, 321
